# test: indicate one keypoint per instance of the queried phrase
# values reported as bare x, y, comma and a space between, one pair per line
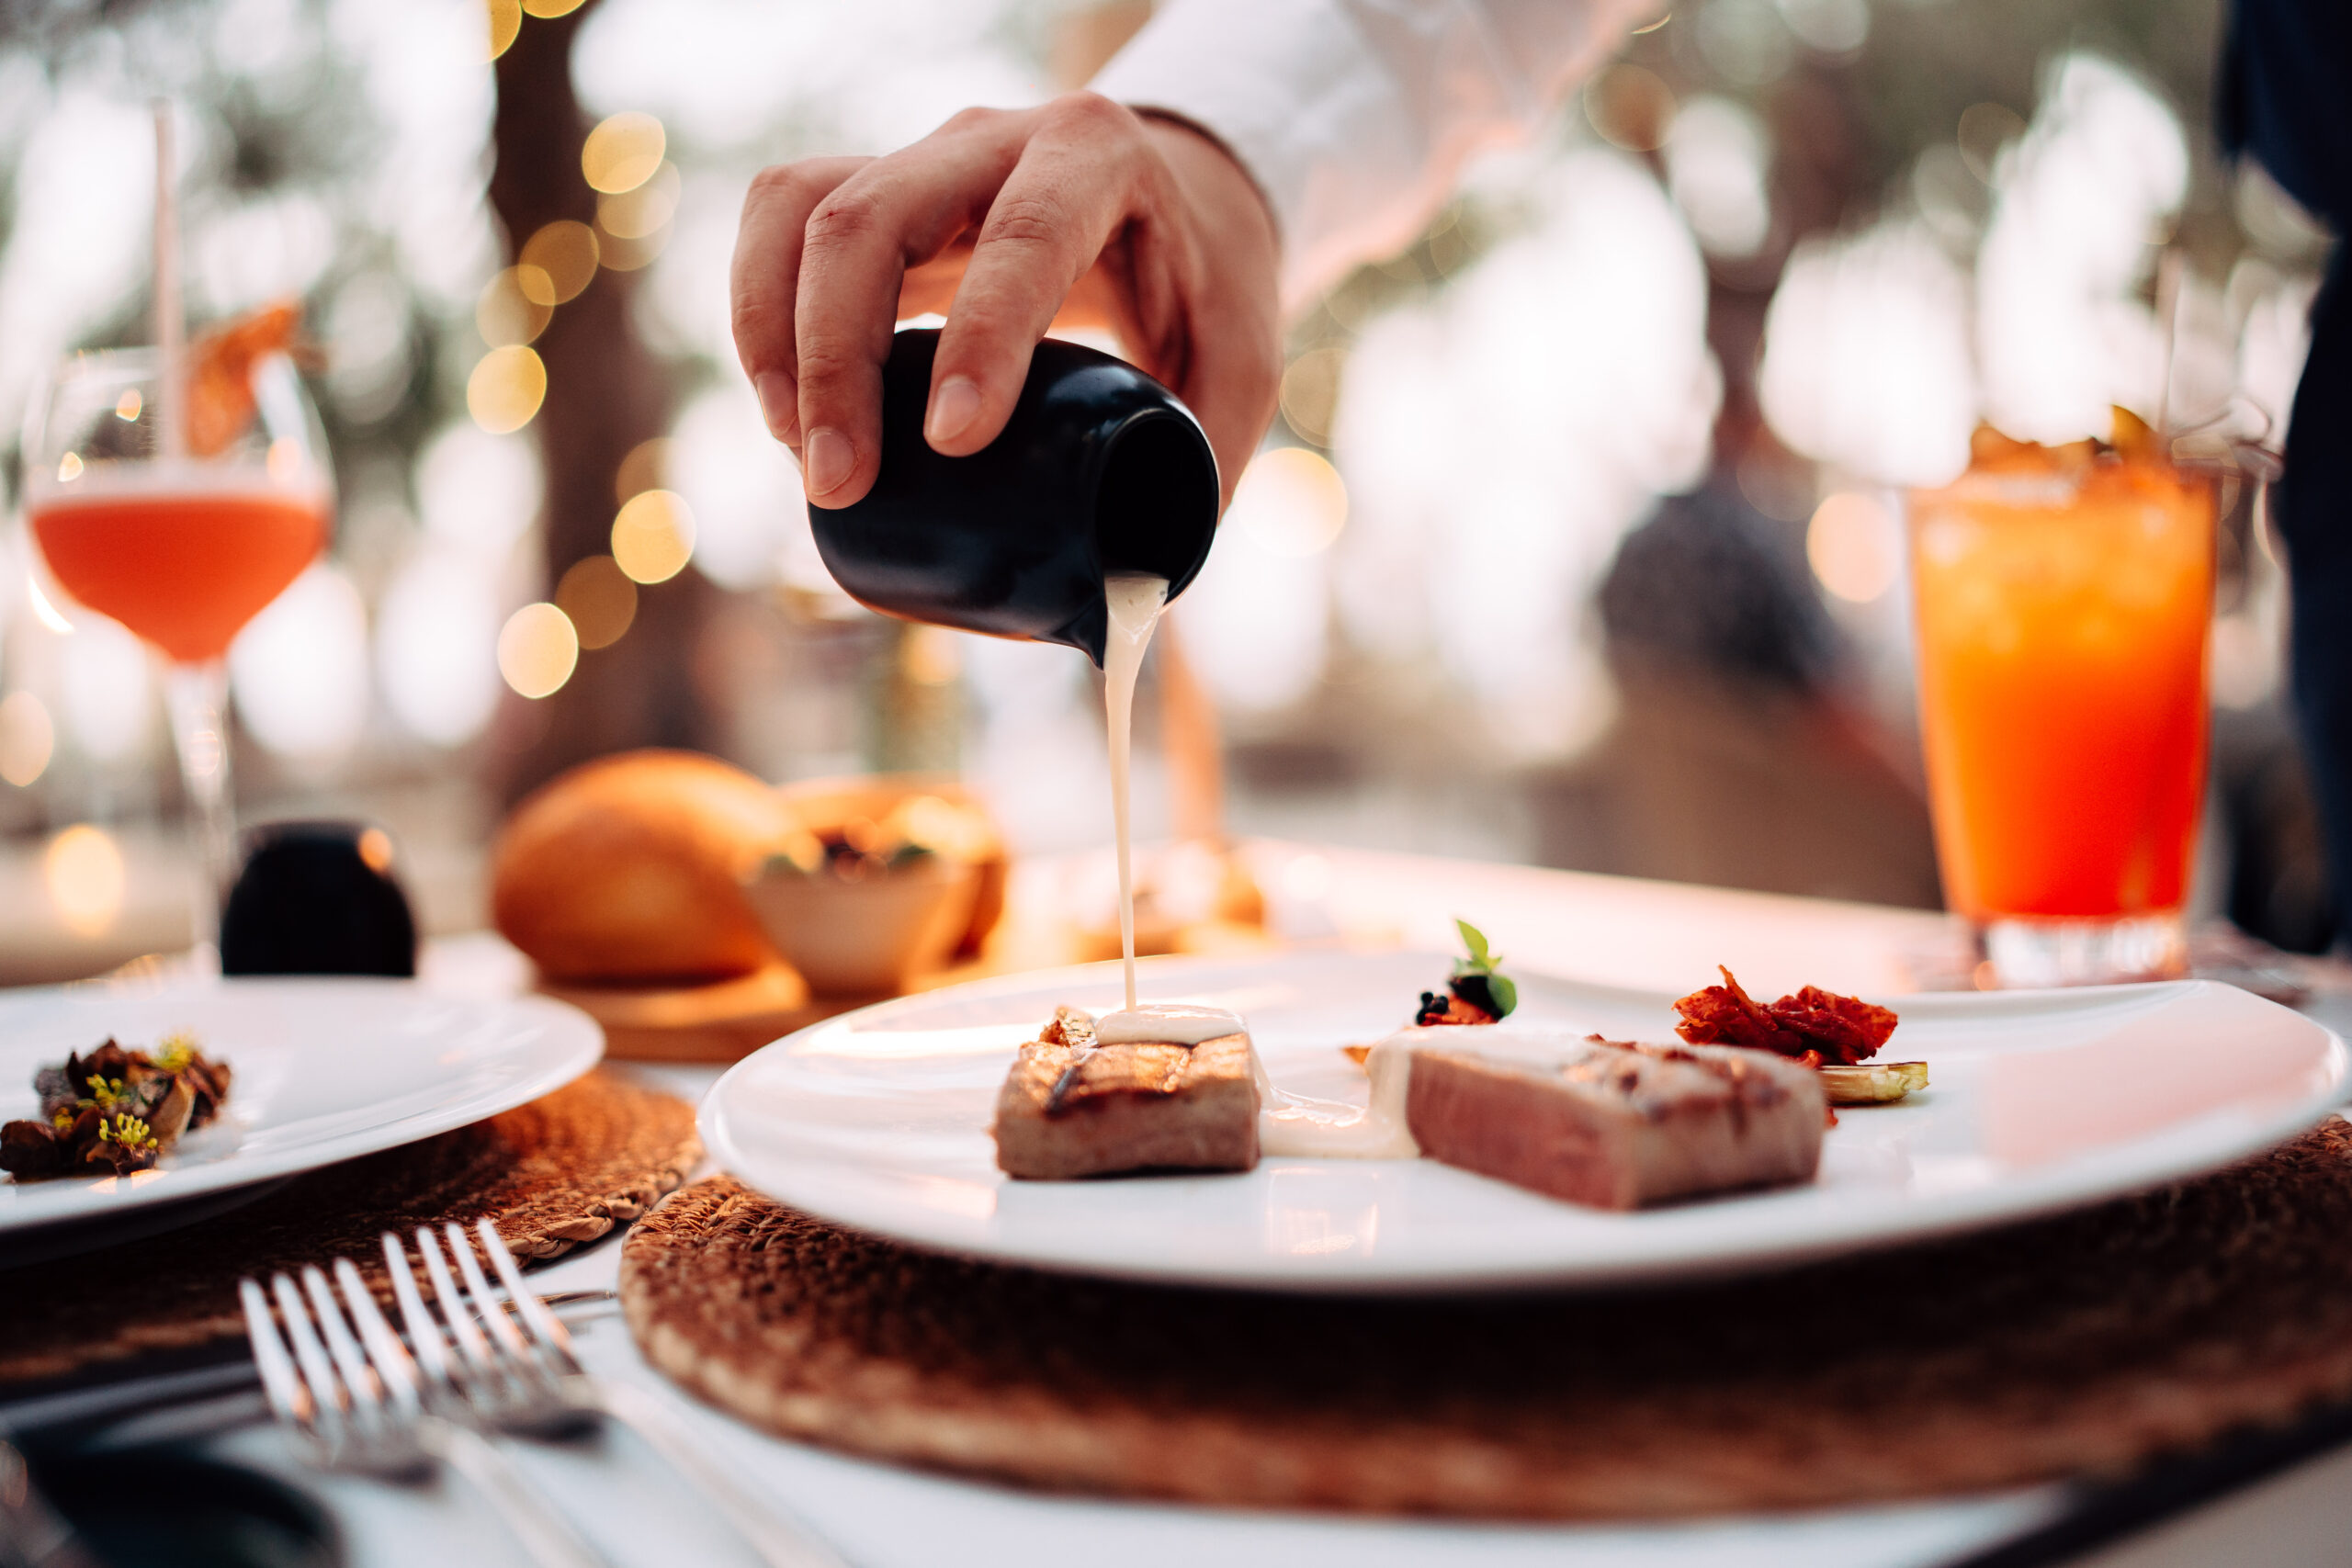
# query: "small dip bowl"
885, 878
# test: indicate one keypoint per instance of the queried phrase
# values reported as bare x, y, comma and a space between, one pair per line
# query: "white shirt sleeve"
1354, 116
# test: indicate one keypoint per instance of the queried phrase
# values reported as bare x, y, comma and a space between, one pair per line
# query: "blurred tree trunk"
605, 394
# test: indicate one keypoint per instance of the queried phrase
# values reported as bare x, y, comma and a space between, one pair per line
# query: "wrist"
1205, 165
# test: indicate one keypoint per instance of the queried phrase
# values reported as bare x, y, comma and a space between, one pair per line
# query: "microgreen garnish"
1483, 970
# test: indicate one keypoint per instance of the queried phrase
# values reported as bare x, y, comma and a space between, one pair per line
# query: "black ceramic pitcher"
1100, 470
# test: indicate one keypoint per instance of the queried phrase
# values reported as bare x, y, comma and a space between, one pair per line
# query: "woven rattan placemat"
2084, 1344
562, 1170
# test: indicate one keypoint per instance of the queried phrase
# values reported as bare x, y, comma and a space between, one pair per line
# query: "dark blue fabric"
2286, 99
2312, 503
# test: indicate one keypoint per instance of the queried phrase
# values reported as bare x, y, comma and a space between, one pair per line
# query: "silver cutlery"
362, 1411
523, 1377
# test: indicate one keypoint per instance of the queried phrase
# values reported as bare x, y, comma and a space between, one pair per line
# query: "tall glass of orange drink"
2062, 597
181, 518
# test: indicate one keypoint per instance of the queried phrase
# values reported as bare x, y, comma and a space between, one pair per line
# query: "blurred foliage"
303, 125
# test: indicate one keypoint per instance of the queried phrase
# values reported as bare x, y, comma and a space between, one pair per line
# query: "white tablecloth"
1614, 930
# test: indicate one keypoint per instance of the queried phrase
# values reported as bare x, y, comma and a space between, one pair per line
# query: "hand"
1080, 211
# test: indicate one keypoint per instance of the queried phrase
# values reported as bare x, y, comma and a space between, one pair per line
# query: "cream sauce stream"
1134, 601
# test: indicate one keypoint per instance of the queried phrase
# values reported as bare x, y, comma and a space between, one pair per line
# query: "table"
1611, 930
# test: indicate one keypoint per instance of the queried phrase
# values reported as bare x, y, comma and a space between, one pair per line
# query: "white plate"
324, 1070
2041, 1100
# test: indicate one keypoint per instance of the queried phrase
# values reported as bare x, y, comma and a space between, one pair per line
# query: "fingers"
1080, 175
765, 273
860, 240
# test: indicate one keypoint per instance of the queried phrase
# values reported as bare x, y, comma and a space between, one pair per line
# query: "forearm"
1356, 116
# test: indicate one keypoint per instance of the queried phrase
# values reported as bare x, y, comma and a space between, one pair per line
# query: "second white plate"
323, 1070
2041, 1100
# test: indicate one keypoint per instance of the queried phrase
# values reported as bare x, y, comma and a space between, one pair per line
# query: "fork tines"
358, 1406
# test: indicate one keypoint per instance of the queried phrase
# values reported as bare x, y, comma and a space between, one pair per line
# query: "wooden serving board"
725, 1020
719, 1021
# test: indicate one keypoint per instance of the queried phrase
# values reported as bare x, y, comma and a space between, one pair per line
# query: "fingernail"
778, 404
827, 459
953, 407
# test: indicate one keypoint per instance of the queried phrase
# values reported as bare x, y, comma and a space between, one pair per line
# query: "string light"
506, 389
563, 254
83, 870
537, 650
647, 466
599, 598
505, 23
28, 739
641, 212
653, 536
623, 153
511, 310
1851, 546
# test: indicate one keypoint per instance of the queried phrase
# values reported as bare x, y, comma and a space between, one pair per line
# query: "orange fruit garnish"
220, 373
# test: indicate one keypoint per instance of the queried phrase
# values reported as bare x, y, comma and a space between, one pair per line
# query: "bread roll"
630, 868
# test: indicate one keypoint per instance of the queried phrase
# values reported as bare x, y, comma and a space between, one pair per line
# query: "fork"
526, 1379
362, 1412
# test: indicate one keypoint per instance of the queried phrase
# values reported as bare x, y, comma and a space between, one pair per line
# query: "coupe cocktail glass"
183, 536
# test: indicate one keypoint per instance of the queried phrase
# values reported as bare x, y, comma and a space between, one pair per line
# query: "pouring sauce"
1134, 601
1291, 1124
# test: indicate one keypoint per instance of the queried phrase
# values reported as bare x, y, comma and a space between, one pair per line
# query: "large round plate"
879, 1119
324, 1070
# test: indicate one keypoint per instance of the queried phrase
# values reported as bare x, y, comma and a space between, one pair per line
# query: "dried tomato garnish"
1843, 1029
1813, 1026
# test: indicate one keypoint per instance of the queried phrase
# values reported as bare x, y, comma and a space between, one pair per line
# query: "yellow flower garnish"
127, 1132
105, 1091
64, 1121
173, 1051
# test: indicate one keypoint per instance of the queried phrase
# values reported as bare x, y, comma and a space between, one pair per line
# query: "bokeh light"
564, 254
506, 389
1292, 501
437, 645
653, 536
108, 691
1310, 390
505, 25
537, 650
1498, 441
645, 209
299, 670
1631, 108
84, 870
600, 600
508, 313
479, 489
750, 514
622, 152
2062, 332
1717, 158
1834, 383
28, 739
1853, 547
544, 8
647, 466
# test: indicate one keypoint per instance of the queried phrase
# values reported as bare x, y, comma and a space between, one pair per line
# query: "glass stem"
198, 695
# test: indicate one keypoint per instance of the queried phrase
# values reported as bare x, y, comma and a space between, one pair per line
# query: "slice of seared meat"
1617, 1126
1071, 1108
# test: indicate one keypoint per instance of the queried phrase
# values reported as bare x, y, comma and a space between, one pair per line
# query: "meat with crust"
1073, 1108
1616, 1125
